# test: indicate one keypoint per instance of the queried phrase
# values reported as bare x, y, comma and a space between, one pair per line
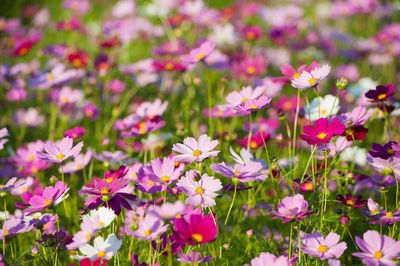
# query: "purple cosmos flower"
150, 227
193, 258
109, 191
168, 210
253, 105
389, 166
14, 226
50, 196
381, 93
377, 249
28, 118
3, 134
199, 54
358, 116
269, 259
59, 151
192, 150
200, 189
323, 248
144, 183
292, 208
164, 171
250, 171
385, 151
351, 201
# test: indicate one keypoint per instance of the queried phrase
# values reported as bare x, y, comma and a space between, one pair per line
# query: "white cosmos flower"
244, 157
104, 216
101, 248
356, 154
322, 107
310, 79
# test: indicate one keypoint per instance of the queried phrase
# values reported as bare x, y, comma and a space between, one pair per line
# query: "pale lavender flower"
245, 94
250, 171
253, 105
358, 116
150, 227
164, 171
29, 117
200, 189
111, 157
200, 53
388, 166
268, 259
195, 150
376, 249
77, 164
14, 226
193, 258
168, 210
321, 247
59, 151
12, 183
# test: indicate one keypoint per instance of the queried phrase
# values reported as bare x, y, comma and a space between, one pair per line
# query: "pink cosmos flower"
250, 67
14, 226
194, 229
200, 189
57, 152
168, 210
323, 131
75, 133
77, 164
192, 150
164, 171
292, 208
268, 259
193, 258
323, 248
245, 94
377, 249
253, 105
289, 73
12, 183
50, 196
200, 53
251, 171
311, 79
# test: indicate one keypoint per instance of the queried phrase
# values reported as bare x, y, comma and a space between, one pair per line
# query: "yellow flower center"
101, 254
322, 249
197, 237
165, 178
23, 51
253, 144
378, 254
88, 236
178, 216
322, 135
312, 81
296, 75
382, 96
199, 190
151, 183
51, 77
309, 186
142, 127
60, 156
31, 157
389, 215
350, 202
109, 180
197, 153
5, 232
237, 173
251, 70
323, 111
169, 66
48, 202
200, 56
104, 191
76, 62
250, 35
147, 232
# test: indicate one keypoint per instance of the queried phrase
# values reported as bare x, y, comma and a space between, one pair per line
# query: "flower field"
188, 132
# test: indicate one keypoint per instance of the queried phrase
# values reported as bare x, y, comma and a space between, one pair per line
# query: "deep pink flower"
323, 131
195, 229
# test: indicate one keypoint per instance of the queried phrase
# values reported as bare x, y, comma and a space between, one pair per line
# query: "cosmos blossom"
377, 249
266, 258
57, 152
3, 134
323, 131
200, 53
195, 150
101, 249
321, 247
311, 79
201, 189
292, 208
381, 93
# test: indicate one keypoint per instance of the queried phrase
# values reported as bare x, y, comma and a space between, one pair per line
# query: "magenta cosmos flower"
323, 248
195, 150
50, 196
377, 249
195, 229
109, 191
292, 208
59, 151
323, 131
199, 54
200, 189
268, 259
381, 93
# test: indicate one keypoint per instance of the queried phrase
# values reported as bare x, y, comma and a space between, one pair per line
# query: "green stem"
230, 207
